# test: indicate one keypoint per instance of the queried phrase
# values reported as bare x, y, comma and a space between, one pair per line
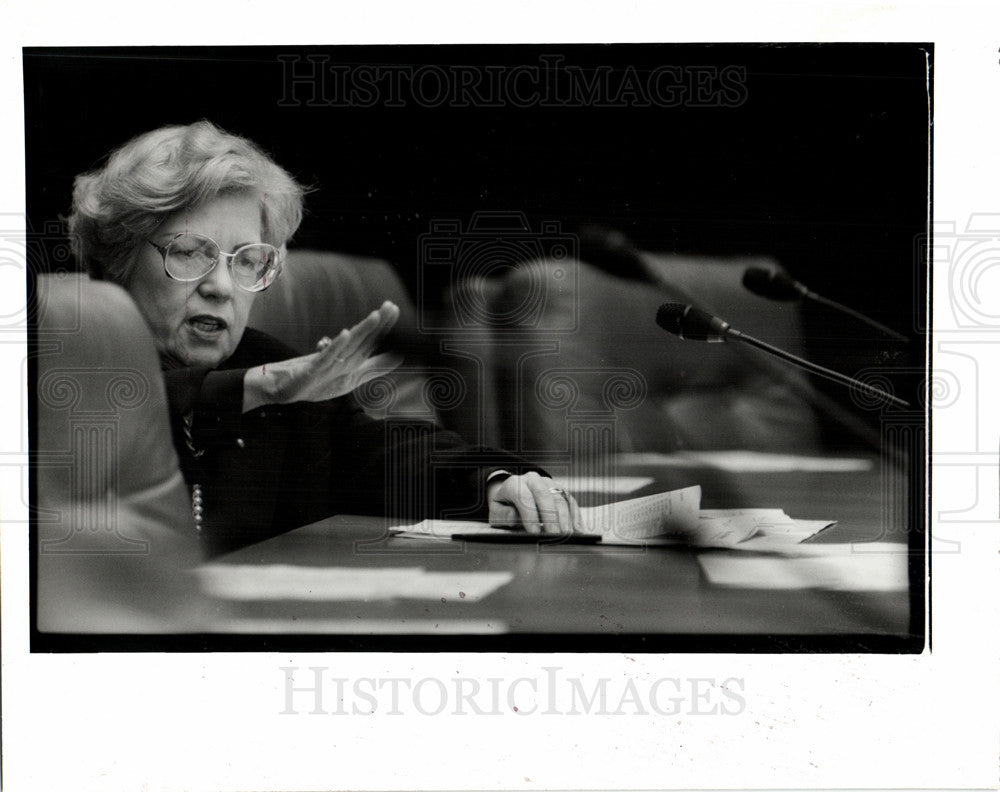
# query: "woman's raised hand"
337, 367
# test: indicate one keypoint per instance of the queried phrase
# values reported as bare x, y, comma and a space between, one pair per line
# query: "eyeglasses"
190, 257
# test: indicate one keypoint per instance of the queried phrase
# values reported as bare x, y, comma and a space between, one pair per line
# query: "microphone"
693, 324
612, 251
773, 285
779, 286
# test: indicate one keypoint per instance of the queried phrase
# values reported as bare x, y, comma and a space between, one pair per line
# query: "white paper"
317, 584
776, 531
667, 518
670, 517
444, 529
666, 514
836, 567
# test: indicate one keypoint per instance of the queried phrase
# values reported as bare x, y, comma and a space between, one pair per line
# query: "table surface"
590, 590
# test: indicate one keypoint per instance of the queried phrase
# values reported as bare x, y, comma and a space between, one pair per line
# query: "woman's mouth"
207, 325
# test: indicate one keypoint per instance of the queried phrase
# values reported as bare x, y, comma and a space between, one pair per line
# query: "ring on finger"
569, 509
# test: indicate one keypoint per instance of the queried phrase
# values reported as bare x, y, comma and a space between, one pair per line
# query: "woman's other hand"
339, 365
534, 503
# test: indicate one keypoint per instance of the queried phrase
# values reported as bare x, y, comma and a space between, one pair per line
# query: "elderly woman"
193, 223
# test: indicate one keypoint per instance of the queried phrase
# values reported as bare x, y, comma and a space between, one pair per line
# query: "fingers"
528, 512
361, 338
513, 504
332, 348
563, 518
566, 510
353, 346
576, 518
503, 515
391, 313
559, 511
362, 335
377, 366
530, 499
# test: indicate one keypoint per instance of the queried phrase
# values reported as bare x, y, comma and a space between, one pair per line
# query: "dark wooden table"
590, 590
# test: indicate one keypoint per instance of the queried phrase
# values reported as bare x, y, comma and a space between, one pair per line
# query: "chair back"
114, 527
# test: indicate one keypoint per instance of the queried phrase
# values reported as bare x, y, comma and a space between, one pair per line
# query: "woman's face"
198, 323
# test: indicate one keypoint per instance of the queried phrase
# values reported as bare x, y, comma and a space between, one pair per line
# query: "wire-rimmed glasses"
190, 257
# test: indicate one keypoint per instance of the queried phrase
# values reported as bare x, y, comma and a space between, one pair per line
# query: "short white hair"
118, 206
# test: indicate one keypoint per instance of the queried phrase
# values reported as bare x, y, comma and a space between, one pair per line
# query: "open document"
666, 518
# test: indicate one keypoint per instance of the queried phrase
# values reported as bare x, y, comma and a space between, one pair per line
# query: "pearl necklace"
197, 502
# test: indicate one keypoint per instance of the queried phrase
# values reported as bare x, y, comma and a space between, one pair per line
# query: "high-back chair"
115, 534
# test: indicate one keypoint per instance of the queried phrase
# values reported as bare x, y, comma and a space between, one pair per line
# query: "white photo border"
214, 721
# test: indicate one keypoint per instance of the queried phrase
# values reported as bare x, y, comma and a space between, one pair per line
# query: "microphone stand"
815, 368
759, 355
821, 402
811, 295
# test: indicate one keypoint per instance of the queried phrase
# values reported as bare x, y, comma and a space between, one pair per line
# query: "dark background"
821, 162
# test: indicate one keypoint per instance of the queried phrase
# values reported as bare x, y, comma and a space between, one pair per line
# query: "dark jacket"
283, 466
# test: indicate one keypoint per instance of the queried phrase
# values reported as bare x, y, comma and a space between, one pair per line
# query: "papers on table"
665, 515
774, 530
314, 584
666, 518
660, 518
875, 566
714, 532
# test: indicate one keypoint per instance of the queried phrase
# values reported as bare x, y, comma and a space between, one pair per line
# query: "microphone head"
772, 285
669, 316
610, 250
690, 323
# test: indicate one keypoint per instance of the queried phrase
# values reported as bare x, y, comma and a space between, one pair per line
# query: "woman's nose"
219, 282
